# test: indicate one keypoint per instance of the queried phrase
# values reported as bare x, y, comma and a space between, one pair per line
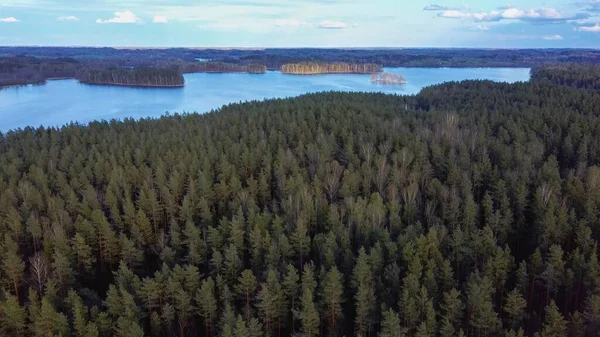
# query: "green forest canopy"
474, 212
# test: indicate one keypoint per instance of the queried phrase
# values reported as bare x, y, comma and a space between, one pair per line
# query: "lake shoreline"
174, 86
60, 102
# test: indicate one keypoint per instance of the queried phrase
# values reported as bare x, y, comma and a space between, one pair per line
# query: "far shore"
138, 85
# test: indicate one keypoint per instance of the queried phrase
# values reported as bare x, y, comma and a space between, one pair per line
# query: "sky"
301, 23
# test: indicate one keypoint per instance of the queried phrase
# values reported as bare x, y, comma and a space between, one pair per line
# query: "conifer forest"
471, 209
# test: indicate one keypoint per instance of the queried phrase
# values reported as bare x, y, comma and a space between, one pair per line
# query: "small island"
314, 68
387, 78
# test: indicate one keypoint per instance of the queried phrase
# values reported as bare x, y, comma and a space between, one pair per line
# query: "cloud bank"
591, 29
10, 19
160, 19
542, 15
327, 24
122, 17
67, 18
552, 37
435, 7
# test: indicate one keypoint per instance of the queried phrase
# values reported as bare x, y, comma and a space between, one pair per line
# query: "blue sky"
301, 23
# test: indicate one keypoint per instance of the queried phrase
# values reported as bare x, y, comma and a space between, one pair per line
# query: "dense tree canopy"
577, 75
274, 58
142, 76
470, 209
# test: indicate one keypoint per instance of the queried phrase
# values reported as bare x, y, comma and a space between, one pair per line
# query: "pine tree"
241, 329
255, 328
207, 303
592, 313
332, 292
301, 239
308, 315
12, 264
554, 270
514, 306
452, 309
554, 325
309, 281
391, 325
12, 317
291, 289
269, 302
83, 253
227, 322
49, 322
481, 309
183, 308
127, 328
83, 328
513, 333
62, 273
245, 288
362, 281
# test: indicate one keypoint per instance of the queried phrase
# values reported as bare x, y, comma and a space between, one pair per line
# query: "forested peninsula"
21, 70
142, 77
474, 213
313, 68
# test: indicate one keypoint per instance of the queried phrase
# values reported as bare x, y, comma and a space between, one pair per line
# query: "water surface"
59, 102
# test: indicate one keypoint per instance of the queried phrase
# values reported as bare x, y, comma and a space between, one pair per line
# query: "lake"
62, 101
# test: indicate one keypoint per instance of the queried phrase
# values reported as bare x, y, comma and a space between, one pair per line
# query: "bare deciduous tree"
332, 179
39, 268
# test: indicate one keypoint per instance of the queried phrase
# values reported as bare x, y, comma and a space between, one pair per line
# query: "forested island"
474, 212
139, 77
387, 78
313, 68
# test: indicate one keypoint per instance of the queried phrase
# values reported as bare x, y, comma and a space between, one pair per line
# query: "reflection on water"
63, 101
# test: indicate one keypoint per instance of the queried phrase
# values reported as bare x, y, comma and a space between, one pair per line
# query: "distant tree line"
273, 59
312, 68
221, 67
577, 75
17, 70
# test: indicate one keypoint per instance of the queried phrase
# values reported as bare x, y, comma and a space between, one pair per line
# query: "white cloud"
10, 19
122, 17
552, 37
327, 24
290, 23
160, 19
533, 15
454, 14
435, 7
67, 18
482, 28
592, 29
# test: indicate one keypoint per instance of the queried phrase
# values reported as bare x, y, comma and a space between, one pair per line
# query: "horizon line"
295, 47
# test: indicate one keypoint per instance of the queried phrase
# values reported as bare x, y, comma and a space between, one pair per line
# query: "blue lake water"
59, 102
